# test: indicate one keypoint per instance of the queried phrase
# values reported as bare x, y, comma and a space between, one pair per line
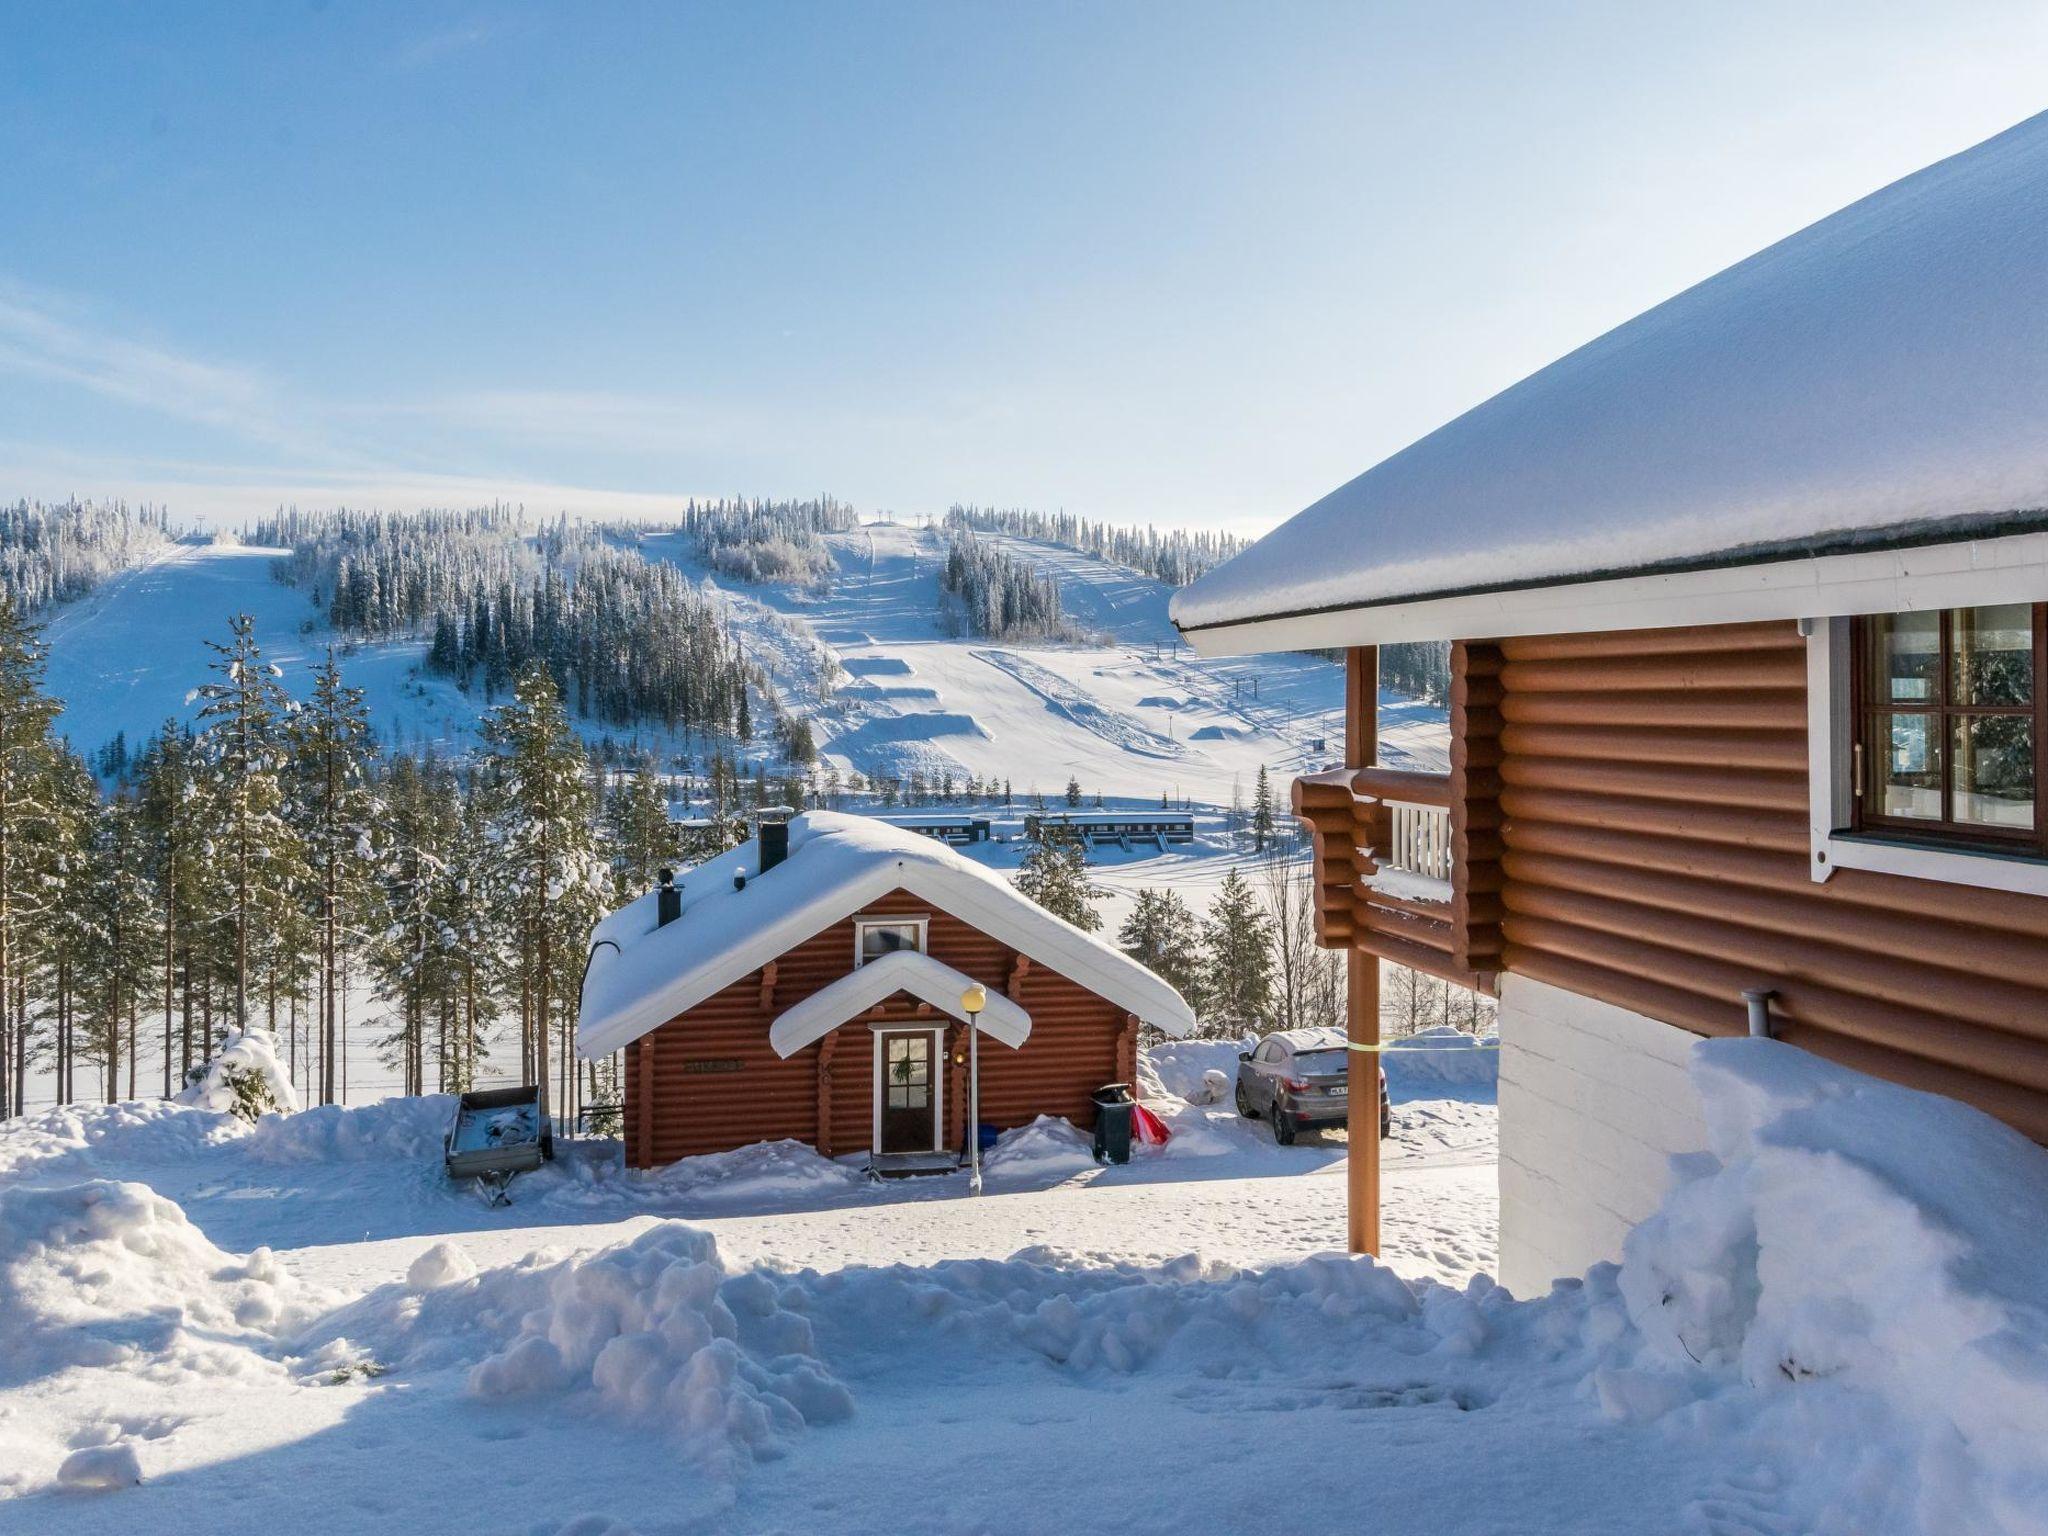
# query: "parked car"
1299, 1079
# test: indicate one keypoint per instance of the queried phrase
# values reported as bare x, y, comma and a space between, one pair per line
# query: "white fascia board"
1961, 574
929, 980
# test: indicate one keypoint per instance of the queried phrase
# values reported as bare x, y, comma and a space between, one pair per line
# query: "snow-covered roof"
1877, 381
642, 976
905, 970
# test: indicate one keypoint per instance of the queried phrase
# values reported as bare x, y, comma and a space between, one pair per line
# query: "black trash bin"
1113, 1109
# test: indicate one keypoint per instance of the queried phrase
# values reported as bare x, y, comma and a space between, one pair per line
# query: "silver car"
1299, 1079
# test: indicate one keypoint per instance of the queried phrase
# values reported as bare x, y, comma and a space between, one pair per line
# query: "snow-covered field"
1834, 1326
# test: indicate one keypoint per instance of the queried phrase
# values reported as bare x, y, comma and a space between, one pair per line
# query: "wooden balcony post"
1362, 979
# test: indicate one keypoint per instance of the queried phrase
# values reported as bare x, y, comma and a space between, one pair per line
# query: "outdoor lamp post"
972, 1001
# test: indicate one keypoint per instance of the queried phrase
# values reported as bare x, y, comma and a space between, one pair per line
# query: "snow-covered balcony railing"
1385, 864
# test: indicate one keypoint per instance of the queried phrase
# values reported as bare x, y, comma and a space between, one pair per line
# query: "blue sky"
1182, 262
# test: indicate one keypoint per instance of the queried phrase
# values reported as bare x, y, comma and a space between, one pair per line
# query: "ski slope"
126, 658
1130, 713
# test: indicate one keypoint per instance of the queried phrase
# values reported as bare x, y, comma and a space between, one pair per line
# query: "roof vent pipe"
1759, 1001
774, 837
668, 900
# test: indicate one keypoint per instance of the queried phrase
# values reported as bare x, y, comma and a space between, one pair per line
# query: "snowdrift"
653, 1332
112, 1274
1432, 1059
1850, 1239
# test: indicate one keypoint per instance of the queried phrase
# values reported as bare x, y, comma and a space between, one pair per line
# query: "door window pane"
1994, 655
1994, 770
1905, 658
1908, 770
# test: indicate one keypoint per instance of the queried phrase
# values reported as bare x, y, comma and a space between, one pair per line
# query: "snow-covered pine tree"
1237, 944
1160, 934
27, 754
414, 959
168, 795
1262, 810
556, 879
246, 752
1055, 875
334, 809
637, 825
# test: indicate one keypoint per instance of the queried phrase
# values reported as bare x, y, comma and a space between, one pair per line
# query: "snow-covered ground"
1834, 1326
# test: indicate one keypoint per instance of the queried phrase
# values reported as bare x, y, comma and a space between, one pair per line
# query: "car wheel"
1244, 1105
1283, 1127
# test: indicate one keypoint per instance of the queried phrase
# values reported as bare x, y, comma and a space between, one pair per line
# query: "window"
1948, 724
872, 940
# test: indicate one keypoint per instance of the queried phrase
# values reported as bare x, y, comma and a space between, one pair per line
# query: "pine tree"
1160, 934
334, 810
1262, 810
1237, 944
1055, 875
637, 824
27, 754
168, 793
1073, 791
555, 877
242, 723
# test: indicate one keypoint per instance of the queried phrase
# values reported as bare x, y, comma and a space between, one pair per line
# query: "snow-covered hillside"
870, 664
125, 658
1132, 714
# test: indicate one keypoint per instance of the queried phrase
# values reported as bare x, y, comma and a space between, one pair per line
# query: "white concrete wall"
1594, 1101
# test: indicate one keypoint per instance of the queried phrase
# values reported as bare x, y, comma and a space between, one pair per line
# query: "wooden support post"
643, 1126
1362, 979
826, 1049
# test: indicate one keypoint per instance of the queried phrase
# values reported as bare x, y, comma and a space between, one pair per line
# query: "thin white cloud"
42, 337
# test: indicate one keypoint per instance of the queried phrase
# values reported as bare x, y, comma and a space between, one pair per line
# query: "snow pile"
1850, 1244
1430, 1059
110, 1274
1180, 1068
1049, 1144
98, 1468
763, 1170
1093, 1318
244, 1078
81, 1139
398, 1128
652, 1331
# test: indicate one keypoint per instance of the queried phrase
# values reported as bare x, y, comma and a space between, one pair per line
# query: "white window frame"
861, 925
1830, 791
879, 1033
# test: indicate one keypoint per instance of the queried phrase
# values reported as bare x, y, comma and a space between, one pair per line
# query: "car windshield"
1320, 1063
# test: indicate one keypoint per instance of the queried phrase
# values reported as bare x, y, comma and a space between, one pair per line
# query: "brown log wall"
1653, 840
1078, 1042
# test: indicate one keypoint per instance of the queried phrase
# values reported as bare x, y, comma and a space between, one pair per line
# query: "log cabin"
1747, 603
809, 983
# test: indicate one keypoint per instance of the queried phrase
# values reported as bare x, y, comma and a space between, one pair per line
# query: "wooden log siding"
1653, 840
1073, 1049
1629, 822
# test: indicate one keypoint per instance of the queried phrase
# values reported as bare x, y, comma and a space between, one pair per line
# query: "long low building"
808, 985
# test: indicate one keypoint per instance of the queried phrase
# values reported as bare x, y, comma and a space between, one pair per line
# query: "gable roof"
1877, 381
641, 976
903, 971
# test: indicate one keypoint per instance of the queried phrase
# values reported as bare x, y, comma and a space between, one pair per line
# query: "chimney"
774, 835
668, 901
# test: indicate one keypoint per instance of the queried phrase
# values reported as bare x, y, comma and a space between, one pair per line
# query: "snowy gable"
641, 976
1878, 380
